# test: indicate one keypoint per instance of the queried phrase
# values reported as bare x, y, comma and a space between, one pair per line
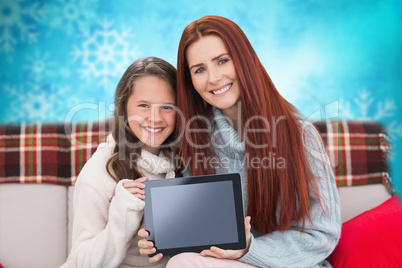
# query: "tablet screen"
207, 208
194, 213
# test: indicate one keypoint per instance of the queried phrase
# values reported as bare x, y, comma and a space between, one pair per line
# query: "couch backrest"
47, 153
55, 153
358, 152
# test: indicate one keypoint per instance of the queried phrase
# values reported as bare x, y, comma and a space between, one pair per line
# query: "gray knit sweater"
291, 248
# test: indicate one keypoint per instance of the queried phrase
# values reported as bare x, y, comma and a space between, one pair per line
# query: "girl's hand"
230, 254
147, 247
136, 187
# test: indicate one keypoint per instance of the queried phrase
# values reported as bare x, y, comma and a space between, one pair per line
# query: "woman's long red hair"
276, 196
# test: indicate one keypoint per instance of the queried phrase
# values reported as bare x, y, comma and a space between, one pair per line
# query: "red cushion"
372, 239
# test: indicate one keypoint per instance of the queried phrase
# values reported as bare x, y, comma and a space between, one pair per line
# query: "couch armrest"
358, 199
33, 229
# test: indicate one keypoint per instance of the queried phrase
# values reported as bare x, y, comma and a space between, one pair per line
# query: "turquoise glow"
331, 59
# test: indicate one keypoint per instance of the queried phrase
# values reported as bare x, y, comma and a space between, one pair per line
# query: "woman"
292, 198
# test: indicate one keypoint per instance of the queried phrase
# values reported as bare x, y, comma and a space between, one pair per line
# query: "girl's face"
213, 72
150, 111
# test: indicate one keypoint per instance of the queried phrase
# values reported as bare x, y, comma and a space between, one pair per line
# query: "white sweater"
107, 216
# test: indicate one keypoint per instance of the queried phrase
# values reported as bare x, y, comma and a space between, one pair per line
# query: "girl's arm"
106, 217
294, 248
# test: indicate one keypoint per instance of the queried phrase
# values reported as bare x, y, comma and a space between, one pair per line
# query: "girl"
292, 198
108, 206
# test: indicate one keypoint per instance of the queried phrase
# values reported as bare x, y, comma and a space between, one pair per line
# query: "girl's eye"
143, 106
199, 70
223, 61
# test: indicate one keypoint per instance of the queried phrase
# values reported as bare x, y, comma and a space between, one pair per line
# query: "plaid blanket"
48, 153
55, 153
358, 152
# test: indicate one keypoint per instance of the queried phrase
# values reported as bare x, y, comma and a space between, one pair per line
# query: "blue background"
61, 60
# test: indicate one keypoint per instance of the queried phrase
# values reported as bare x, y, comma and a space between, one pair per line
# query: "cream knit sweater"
107, 216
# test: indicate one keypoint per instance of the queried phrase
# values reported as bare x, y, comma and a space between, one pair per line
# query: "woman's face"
150, 111
213, 72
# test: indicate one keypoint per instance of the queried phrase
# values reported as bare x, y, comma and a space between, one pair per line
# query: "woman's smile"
220, 91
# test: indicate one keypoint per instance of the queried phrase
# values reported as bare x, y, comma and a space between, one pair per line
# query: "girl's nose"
156, 115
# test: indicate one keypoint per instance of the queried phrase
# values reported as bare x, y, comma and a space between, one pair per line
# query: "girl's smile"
154, 131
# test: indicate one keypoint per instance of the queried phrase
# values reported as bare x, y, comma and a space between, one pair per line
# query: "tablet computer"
191, 214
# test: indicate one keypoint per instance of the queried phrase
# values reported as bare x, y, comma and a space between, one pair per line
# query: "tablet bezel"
238, 200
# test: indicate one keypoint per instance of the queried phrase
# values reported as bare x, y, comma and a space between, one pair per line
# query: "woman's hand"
147, 247
136, 187
230, 254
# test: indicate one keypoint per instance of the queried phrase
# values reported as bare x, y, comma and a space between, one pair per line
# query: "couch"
39, 164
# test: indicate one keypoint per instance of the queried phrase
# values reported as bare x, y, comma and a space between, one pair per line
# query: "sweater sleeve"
106, 217
294, 248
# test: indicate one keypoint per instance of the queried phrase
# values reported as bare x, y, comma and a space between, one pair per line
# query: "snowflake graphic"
36, 99
29, 105
366, 107
105, 53
18, 18
71, 15
39, 65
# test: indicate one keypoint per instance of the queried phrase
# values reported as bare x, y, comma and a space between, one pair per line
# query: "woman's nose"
214, 76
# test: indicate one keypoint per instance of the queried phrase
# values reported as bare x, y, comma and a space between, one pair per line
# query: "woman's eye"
222, 61
143, 105
167, 107
199, 70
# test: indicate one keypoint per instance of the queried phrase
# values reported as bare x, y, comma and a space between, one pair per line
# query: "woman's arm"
106, 217
293, 248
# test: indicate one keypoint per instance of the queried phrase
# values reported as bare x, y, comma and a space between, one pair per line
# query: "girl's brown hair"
276, 196
121, 164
